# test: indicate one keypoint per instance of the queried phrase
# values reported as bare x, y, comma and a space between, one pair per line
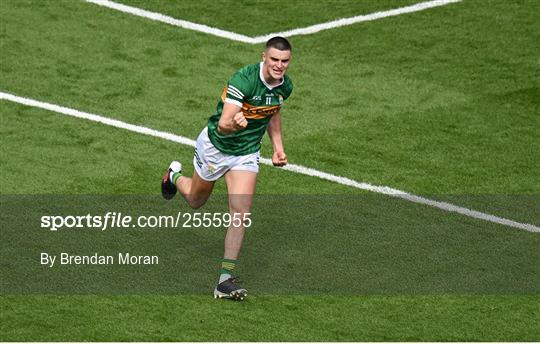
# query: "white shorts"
211, 164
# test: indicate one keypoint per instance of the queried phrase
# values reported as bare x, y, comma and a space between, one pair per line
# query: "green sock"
227, 267
175, 177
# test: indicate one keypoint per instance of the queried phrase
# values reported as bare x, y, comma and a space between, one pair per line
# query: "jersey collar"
264, 81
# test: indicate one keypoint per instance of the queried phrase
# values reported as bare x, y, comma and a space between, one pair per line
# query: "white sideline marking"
357, 19
291, 167
260, 39
172, 21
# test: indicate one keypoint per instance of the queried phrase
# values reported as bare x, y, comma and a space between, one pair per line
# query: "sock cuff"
225, 272
227, 266
175, 176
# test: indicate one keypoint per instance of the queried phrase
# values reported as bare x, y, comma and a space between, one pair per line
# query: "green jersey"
259, 102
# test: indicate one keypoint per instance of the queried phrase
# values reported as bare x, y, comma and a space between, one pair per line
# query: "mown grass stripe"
261, 39
291, 167
172, 21
357, 19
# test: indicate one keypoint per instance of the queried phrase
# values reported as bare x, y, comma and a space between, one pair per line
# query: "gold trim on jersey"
254, 112
258, 112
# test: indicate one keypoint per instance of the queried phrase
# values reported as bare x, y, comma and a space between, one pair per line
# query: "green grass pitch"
441, 103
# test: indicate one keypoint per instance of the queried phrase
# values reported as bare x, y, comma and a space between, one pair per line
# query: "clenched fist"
239, 121
279, 159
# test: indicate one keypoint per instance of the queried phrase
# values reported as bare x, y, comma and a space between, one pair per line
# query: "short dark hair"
280, 43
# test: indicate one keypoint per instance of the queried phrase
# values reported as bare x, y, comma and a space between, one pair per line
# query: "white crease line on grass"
291, 167
260, 39
357, 19
172, 21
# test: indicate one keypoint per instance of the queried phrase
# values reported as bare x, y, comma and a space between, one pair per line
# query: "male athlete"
229, 146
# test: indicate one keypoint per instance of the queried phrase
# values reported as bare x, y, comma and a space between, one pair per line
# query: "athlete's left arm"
279, 158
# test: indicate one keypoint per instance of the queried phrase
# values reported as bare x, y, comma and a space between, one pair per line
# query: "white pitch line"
260, 39
291, 167
172, 21
353, 20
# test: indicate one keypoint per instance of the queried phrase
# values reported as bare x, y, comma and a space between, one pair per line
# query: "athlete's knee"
239, 210
195, 205
240, 203
196, 202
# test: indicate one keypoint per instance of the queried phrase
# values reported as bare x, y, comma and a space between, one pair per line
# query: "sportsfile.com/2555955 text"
114, 220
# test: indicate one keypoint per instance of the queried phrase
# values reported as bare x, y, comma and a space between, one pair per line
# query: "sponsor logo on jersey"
258, 112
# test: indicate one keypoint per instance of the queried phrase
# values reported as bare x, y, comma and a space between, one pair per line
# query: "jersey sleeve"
238, 89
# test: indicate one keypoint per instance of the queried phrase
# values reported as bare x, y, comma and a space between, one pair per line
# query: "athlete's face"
275, 64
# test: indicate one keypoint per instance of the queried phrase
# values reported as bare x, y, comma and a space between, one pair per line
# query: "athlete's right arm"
231, 120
